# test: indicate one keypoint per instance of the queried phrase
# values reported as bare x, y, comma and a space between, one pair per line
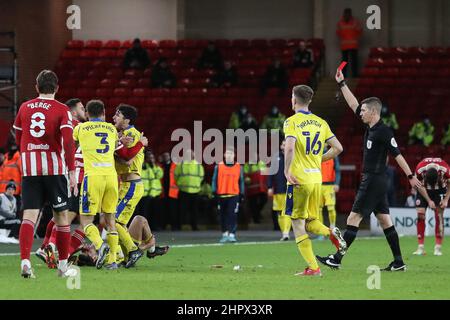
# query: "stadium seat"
107, 53
127, 83
121, 92
87, 83
112, 44
70, 54
114, 73
89, 53
142, 92
109, 83
93, 44
75, 44
167, 44
149, 44
103, 92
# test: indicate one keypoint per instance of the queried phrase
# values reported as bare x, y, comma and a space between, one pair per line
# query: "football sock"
349, 237
284, 221
317, 227
63, 241
394, 243
439, 228
93, 235
112, 238
125, 238
26, 235
332, 215
48, 232
421, 230
53, 235
76, 240
305, 247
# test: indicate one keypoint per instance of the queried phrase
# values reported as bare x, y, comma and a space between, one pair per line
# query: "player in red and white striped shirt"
44, 135
435, 174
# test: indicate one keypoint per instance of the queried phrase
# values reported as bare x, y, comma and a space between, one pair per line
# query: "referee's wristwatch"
410, 176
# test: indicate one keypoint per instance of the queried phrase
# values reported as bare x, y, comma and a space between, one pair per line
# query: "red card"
342, 65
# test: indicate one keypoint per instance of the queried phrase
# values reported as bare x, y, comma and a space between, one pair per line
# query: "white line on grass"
215, 244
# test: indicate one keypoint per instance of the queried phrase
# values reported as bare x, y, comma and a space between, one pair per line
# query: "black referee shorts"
39, 190
372, 195
435, 195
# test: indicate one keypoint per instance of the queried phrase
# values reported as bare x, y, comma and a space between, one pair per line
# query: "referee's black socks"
349, 236
392, 238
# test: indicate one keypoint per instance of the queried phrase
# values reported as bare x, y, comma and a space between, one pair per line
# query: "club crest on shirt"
418, 202
369, 144
394, 143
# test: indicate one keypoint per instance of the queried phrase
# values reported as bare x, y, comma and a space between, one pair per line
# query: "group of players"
46, 131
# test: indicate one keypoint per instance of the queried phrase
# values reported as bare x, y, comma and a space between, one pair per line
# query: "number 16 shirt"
97, 140
311, 133
44, 137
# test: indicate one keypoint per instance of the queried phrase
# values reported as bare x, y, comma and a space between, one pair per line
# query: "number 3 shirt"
311, 133
44, 137
97, 140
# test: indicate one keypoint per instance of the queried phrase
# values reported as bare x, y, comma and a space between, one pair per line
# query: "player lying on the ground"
142, 237
435, 173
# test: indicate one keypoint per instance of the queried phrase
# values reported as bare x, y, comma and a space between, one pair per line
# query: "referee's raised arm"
348, 95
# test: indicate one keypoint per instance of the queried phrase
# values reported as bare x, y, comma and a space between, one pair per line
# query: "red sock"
48, 233
63, 241
421, 230
438, 228
76, 240
53, 235
26, 235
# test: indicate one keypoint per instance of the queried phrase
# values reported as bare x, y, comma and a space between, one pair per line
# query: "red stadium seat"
133, 73
85, 93
75, 44
107, 53
240, 43
89, 53
103, 93
143, 82
114, 73
109, 83
167, 44
278, 43
121, 92
93, 44
112, 44
127, 83
258, 43
149, 44
90, 83
142, 92
223, 43
127, 44
70, 54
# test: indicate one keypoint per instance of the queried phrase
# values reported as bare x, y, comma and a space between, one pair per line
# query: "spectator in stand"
349, 31
11, 170
8, 211
211, 58
303, 57
162, 76
274, 120
226, 77
237, 118
249, 122
411, 200
446, 135
136, 57
275, 77
422, 132
389, 118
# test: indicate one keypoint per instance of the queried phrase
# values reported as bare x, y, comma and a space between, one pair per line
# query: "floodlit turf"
266, 273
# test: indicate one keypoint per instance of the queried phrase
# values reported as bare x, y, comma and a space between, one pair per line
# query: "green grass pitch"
267, 272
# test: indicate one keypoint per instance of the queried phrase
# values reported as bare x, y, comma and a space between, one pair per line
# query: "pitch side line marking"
216, 244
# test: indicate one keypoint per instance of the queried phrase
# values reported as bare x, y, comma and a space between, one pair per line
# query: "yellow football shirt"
138, 160
311, 133
97, 140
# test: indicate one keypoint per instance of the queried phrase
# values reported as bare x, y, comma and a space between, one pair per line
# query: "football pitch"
206, 271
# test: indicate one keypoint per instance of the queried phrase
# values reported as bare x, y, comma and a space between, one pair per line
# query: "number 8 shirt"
44, 135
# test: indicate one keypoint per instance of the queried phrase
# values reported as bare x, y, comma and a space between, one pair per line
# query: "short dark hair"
129, 112
373, 103
95, 108
431, 176
47, 82
72, 103
303, 94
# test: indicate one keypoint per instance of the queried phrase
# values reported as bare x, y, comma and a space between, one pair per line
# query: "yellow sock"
305, 247
317, 227
92, 233
332, 215
125, 238
284, 221
320, 217
112, 238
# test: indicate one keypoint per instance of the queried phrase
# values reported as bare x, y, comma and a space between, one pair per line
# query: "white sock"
421, 246
231, 235
332, 226
62, 265
285, 235
225, 234
152, 249
25, 262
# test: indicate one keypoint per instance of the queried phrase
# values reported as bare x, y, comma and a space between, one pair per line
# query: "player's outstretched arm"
334, 150
348, 95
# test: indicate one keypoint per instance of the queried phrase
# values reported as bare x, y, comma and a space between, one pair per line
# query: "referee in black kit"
372, 192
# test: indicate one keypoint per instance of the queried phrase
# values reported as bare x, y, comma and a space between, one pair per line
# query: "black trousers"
228, 208
189, 207
170, 214
256, 204
11, 224
351, 56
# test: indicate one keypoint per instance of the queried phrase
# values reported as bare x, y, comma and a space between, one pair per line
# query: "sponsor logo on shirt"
32, 146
